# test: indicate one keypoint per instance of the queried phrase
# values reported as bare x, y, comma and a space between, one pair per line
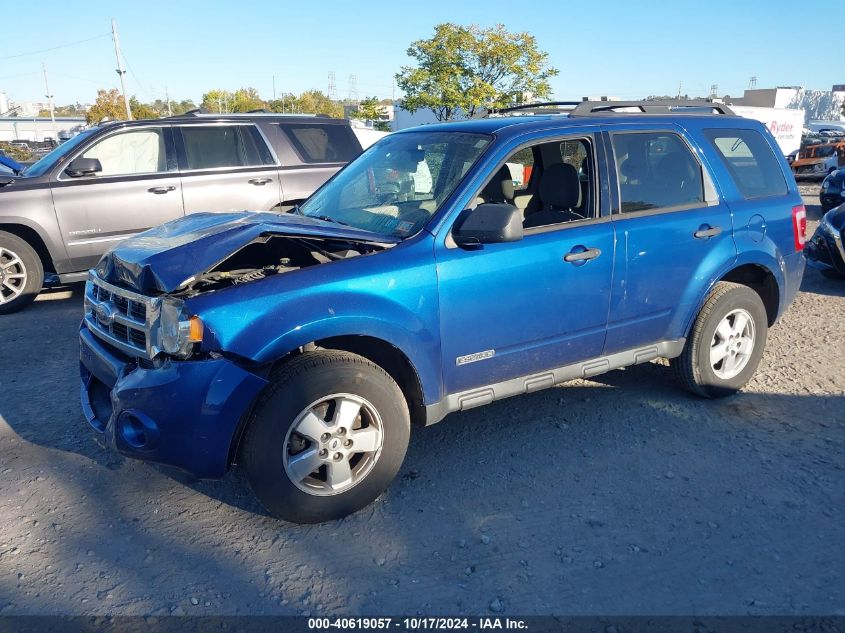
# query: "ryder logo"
780, 128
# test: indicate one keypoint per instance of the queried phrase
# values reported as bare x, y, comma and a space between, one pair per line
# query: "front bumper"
181, 413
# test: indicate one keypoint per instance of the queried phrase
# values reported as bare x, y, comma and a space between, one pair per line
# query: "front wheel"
726, 342
326, 438
21, 273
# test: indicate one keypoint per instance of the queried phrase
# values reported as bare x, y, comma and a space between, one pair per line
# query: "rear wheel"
326, 438
21, 273
726, 342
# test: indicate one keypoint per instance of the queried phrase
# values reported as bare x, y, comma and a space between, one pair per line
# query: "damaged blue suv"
447, 267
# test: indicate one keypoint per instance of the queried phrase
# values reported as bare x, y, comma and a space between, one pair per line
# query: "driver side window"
550, 184
131, 152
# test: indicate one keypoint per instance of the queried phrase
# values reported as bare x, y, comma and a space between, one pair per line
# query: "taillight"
799, 226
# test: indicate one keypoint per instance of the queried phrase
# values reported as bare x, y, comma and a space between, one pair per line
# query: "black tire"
30, 265
693, 368
296, 386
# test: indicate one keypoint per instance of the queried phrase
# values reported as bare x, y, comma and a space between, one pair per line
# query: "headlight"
179, 332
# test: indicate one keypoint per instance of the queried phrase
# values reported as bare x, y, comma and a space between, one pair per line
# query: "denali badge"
471, 358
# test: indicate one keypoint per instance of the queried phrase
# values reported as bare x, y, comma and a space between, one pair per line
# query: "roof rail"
668, 106
546, 107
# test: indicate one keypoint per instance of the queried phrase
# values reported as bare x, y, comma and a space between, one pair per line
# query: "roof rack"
202, 112
544, 107
668, 106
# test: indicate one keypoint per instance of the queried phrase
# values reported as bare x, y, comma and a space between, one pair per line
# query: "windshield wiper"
326, 218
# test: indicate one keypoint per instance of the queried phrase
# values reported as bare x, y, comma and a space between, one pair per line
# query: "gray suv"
59, 215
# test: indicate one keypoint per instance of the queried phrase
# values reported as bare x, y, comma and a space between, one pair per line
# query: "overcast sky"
626, 49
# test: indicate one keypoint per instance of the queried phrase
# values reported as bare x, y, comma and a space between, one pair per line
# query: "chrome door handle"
705, 231
259, 181
582, 256
160, 190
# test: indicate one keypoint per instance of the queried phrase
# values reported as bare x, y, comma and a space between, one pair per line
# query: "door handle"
160, 190
259, 181
581, 256
706, 231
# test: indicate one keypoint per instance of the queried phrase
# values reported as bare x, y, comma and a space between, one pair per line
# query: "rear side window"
317, 143
751, 162
656, 170
207, 147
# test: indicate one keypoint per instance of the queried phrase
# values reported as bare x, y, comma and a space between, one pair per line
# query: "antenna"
121, 71
49, 96
332, 92
353, 88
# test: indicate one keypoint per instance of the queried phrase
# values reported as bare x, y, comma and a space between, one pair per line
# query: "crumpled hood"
164, 257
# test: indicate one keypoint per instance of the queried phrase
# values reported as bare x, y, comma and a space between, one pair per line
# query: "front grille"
120, 317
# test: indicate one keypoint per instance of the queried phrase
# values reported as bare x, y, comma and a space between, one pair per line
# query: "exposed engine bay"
270, 255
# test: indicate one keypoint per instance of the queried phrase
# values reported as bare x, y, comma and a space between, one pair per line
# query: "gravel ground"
619, 495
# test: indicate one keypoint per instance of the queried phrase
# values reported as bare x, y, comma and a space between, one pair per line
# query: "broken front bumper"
180, 413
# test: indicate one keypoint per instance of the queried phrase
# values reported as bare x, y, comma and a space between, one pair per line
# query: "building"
817, 104
18, 128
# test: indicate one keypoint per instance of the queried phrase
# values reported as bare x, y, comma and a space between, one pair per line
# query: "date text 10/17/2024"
417, 624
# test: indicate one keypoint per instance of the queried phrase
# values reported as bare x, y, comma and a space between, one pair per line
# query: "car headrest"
675, 168
500, 187
560, 186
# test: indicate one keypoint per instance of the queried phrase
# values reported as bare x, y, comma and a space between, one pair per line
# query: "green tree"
464, 68
371, 110
217, 100
142, 110
315, 102
109, 104
246, 99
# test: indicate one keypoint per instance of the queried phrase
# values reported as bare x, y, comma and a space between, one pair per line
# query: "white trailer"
785, 124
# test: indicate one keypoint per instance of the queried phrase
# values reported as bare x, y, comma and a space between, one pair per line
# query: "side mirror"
489, 223
83, 167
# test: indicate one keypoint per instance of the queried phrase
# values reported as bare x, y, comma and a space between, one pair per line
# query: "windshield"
47, 161
399, 183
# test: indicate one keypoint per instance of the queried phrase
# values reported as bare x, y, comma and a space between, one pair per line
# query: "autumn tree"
142, 110
109, 104
464, 68
371, 110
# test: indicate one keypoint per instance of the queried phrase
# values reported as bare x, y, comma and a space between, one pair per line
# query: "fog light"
137, 430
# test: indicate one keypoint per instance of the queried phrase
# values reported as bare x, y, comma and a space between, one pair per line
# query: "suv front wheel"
726, 342
326, 438
21, 273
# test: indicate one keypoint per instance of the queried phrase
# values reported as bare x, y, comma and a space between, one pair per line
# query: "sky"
624, 49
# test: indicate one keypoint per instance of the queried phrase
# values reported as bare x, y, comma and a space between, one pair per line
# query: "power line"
55, 48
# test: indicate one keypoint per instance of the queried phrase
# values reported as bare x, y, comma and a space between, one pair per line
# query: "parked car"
115, 180
832, 192
817, 161
825, 250
303, 346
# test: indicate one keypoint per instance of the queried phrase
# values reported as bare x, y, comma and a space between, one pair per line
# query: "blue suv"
447, 267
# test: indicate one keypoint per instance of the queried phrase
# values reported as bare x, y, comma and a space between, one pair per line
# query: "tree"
142, 110
216, 100
15, 152
315, 102
109, 104
464, 68
246, 99
371, 110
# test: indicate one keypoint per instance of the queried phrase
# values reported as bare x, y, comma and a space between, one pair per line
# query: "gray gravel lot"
619, 495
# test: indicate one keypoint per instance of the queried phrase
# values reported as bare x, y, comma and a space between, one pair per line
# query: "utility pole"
120, 70
274, 87
49, 96
167, 98
680, 87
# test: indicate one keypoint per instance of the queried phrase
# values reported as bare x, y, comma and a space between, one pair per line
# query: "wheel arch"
34, 239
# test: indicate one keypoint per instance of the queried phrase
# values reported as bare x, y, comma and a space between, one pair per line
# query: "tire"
21, 273
285, 437
695, 368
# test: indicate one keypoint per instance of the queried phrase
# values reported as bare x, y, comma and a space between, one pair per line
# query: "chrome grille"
120, 317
